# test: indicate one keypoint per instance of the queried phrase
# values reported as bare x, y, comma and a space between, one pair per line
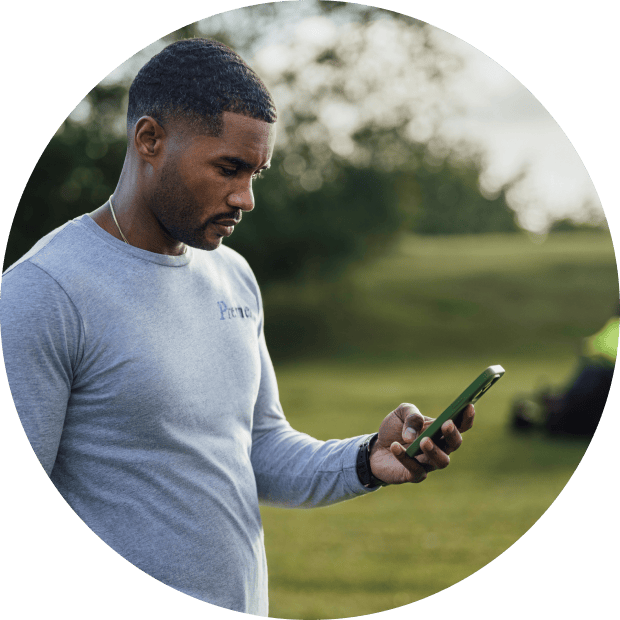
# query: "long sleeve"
41, 336
136, 376
291, 468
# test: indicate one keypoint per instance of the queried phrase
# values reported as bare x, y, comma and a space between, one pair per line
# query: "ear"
148, 138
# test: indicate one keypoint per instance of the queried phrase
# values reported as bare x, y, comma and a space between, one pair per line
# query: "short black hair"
196, 80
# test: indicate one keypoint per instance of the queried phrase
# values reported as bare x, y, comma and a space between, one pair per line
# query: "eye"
228, 172
258, 174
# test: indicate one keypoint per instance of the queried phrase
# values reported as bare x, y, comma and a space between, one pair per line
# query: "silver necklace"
119, 228
116, 222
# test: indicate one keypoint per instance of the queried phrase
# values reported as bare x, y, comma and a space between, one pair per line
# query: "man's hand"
388, 459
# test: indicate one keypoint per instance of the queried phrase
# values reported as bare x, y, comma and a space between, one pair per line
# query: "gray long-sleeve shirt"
145, 387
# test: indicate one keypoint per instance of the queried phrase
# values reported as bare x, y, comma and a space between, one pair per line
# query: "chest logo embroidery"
234, 312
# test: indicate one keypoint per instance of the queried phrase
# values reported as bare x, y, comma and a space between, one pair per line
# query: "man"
135, 351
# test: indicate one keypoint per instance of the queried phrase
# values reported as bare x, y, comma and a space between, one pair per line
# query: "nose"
242, 197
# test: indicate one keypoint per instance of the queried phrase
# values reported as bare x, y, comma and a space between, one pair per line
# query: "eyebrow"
241, 164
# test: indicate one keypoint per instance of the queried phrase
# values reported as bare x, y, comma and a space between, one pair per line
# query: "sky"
496, 112
517, 134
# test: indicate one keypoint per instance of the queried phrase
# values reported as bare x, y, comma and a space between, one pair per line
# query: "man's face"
203, 183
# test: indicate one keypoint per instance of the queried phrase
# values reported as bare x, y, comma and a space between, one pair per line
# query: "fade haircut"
196, 80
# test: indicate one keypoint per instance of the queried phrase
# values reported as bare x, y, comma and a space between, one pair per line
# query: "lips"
225, 225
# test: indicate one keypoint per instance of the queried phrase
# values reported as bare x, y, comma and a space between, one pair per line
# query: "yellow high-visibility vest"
604, 344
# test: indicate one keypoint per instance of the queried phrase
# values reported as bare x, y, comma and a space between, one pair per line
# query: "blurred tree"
76, 173
314, 233
450, 201
359, 91
568, 225
79, 169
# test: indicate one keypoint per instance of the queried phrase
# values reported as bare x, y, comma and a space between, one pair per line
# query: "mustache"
232, 215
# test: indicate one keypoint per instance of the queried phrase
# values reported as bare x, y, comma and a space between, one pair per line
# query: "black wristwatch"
364, 473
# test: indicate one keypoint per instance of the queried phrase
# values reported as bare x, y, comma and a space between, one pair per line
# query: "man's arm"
40, 341
295, 470
292, 469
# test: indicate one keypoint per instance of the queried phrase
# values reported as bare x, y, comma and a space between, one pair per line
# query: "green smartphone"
475, 391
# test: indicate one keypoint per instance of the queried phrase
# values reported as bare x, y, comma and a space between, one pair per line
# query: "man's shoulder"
231, 257
233, 266
55, 249
231, 260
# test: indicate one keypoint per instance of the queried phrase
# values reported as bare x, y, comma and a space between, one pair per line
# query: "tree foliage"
355, 163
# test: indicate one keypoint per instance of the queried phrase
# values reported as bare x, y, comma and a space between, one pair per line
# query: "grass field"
440, 297
422, 324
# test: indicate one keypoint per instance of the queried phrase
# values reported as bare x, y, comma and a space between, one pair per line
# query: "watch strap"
364, 472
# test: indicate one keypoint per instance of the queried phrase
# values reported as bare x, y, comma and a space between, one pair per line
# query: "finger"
416, 472
427, 422
412, 427
468, 418
436, 457
451, 439
404, 410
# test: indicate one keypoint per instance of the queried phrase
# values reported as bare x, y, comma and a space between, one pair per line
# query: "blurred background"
424, 217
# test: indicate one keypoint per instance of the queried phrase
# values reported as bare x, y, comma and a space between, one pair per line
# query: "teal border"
53, 53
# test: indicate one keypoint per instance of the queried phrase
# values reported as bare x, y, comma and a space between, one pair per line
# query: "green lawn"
402, 544
442, 297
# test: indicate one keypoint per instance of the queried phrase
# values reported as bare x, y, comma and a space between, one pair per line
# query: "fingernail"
428, 444
410, 434
398, 447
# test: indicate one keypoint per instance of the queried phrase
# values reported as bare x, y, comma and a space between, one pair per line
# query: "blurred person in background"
136, 357
577, 409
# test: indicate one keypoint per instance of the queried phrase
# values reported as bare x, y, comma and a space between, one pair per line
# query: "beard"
176, 213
